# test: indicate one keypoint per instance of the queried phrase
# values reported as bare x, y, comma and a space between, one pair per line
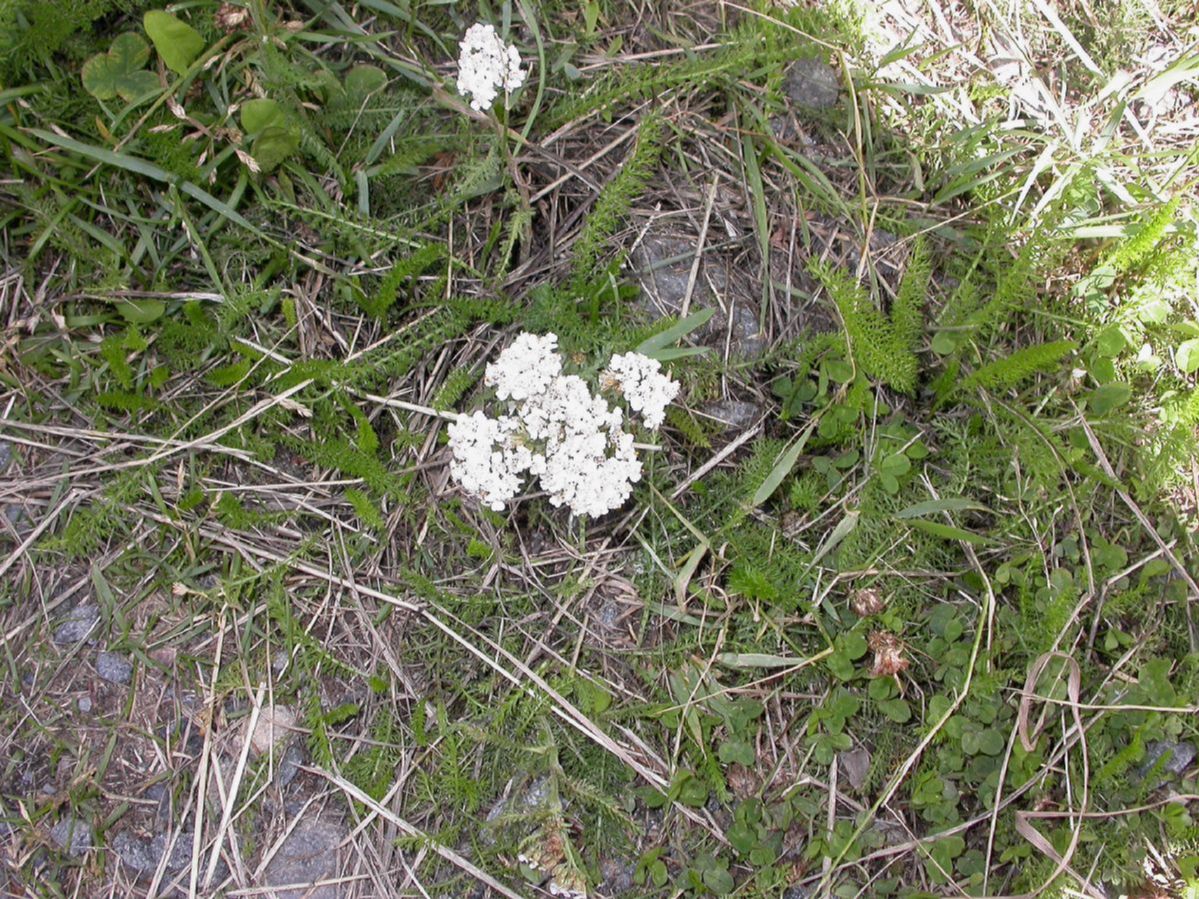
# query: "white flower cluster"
647, 390
555, 429
487, 65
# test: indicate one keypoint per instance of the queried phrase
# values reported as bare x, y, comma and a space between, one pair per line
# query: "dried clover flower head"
888, 654
486, 65
230, 18
866, 602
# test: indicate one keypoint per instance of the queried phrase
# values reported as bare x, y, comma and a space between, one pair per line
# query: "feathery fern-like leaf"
876, 346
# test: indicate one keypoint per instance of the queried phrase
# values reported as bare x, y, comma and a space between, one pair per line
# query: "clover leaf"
121, 71
176, 42
275, 135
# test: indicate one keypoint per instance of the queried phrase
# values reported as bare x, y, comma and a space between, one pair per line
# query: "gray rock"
812, 83
289, 765
16, 517
114, 668
618, 877
134, 853
73, 835
662, 265
78, 624
745, 337
517, 805
1180, 757
180, 853
85, 704
160, 795
307, 855
734, 415
5, 454
142, 855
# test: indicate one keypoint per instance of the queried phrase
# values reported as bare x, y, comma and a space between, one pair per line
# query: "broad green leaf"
259, 114
1110, 341
1103, 400
273, 146
896, 709
852, 644
144, 168
141, 312
783, 466
948, 532
176, 42
121, 71
362, 80
943, 343
736, 751
758, 660
945, 504
677, 331
1187, 355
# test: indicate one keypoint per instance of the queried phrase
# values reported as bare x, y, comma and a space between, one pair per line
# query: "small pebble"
1180, 757
274, 729
78, 624
308, 854
72, 835
289, 765
5, 454
114, 668
85, 704
812, 83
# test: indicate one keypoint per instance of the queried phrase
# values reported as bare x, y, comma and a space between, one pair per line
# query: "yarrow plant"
486, 65
555, 429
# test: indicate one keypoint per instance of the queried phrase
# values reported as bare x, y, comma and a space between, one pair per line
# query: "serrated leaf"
176, 42
120, 71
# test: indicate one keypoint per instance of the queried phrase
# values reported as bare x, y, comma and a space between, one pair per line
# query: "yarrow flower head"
487, 459
486, 65
526, 368
646, 389
555, 429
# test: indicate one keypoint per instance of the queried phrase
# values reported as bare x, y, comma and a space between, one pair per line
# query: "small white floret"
489, 460
641, 381
486, 65
526, 368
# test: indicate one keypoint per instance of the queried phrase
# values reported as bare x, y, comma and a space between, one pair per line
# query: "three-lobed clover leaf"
121, 71
176, 42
